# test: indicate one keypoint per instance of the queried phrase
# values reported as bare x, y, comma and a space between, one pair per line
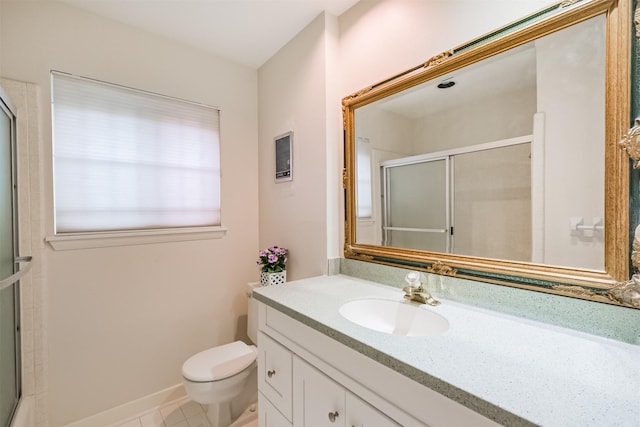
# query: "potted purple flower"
272, 266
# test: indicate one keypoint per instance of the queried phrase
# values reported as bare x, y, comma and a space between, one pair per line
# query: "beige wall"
119, 322
293, 96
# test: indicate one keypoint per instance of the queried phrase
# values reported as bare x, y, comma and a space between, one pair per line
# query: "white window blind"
131, 160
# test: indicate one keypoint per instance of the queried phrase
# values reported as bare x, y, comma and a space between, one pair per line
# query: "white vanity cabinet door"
274, 373
317, 400
268, 415
361, 414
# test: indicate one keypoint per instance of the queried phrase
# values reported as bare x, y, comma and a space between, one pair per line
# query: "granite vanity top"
511, 370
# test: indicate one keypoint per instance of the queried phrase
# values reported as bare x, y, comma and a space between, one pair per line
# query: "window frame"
126, 237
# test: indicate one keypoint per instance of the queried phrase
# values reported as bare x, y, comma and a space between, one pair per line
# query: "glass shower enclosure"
473, 201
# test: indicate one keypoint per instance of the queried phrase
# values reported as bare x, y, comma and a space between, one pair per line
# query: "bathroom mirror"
499, 159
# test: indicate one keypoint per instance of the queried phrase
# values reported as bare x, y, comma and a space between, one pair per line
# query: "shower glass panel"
416, 216
492, 203
9, 336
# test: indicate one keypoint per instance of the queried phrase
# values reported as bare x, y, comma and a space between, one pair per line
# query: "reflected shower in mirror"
503, 158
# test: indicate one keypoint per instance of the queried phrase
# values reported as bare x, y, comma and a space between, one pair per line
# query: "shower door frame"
386, 191
8, 109
449, 157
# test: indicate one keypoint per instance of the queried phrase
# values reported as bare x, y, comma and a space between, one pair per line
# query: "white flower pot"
268, 279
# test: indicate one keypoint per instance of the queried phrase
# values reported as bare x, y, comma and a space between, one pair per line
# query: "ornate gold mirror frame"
611, 285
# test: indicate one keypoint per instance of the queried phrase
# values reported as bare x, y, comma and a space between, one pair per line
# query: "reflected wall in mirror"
501, 159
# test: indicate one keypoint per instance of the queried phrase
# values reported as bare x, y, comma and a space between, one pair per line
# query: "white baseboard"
131, 409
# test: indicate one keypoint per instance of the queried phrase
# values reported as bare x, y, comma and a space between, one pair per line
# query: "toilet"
225, 377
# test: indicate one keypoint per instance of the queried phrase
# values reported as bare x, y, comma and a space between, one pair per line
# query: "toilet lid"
219, 362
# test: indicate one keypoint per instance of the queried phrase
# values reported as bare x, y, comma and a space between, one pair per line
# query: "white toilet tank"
252, 313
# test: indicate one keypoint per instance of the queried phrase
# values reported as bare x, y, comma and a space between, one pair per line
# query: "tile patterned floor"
181, 413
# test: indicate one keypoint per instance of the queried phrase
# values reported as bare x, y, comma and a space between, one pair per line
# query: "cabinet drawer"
274, 373
268, 415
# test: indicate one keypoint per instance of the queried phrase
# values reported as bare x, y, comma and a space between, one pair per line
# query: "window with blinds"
125, 159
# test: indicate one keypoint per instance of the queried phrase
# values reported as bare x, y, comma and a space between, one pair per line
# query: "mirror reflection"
503, 158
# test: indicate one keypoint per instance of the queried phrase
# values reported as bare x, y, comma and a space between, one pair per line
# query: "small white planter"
268, 279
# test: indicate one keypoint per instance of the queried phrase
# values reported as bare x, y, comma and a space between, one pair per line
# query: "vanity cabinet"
321, 402
292, 392
307, 379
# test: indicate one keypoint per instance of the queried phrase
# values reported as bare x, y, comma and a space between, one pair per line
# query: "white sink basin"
394, 317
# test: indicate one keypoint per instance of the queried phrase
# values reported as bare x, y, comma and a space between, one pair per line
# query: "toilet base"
220, 415
249, 418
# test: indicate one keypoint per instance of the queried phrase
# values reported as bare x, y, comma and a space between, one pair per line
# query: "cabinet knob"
271, 373
333, 416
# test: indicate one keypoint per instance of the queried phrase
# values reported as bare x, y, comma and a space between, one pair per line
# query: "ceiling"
512, 71
248, 32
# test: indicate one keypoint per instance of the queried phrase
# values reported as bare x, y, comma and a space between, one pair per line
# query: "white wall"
385, 130
119, 322
390, 137
334, 140
571, 94
294, 92
498, 117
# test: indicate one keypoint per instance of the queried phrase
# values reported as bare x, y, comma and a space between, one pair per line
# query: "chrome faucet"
414, 291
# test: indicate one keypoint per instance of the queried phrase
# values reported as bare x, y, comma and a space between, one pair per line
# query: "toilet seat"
219, 362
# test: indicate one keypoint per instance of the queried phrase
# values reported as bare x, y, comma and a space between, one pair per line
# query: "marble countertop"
511, 370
